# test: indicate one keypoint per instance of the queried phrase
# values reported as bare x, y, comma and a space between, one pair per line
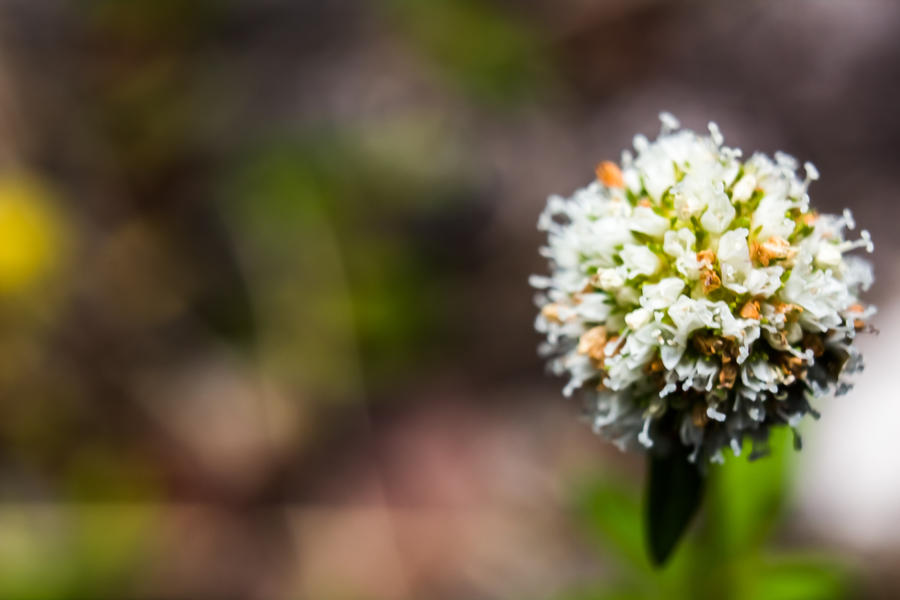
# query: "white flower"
743, 189
644, 220
638, 318
689, 315
639, 260
733, 250
594, 307
662, 294
828, 256
692, 284
609, 279
734, 258
679, 245
719, 210
763, 282
690, 197
769, 220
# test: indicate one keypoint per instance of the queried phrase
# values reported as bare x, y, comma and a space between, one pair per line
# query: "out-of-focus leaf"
797, 578
613, 514
85, 552
674, 492
489, 53
606, 594
747, 496
726, 557
349, 230
97, 472
144, 20
109, 542
278, 215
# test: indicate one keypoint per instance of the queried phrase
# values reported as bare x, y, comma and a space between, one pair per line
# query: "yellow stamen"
708, 344
785, 308
790, 364
609, 174
551, 312
706, 256
773, 248
750, 310
813, 342
699, 416
728, 375
710, 280
656, 366
593, 342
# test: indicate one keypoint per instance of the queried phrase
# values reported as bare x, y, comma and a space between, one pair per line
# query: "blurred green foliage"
729, 553
317, 222
491, 54
60, 553
155, 89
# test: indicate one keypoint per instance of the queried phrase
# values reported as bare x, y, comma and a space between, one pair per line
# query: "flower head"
695, 298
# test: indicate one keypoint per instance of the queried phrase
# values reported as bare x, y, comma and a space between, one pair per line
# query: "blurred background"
266, 329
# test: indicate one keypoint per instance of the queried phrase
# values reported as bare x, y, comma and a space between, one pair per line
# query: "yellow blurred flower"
31, 233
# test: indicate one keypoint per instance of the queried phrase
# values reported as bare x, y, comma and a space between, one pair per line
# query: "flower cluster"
696, 298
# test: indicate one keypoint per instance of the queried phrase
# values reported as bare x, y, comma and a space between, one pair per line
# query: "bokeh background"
265, 328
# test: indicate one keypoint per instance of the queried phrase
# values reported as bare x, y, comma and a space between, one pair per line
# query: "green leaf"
491, 53
800, 578
612, 513
674, 492
605, 594
746, 496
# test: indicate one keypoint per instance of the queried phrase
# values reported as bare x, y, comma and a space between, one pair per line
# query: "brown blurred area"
266, 328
